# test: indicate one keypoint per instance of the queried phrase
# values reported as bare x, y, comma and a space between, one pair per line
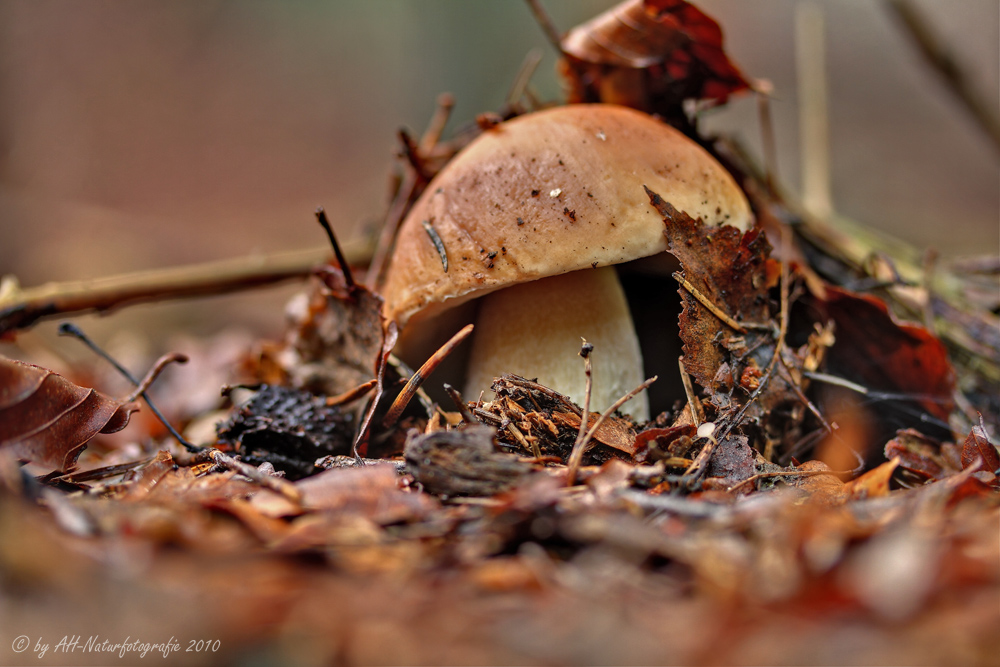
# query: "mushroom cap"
548, 193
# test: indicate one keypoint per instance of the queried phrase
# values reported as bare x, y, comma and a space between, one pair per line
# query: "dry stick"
533, 445
705, 301
696, 412
787, 473
20, 308
546, 24
432, 135
580, 448
351, 395
341, 260
397, 407
460, 403
104, 472
411, 151
764, 90
404, 371
404, 197
805, 399
523, 77
814, 121
940, 58
276, 484
70, 329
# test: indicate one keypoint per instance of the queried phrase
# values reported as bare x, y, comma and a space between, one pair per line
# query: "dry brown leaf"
730, 269
651, 55
48, 420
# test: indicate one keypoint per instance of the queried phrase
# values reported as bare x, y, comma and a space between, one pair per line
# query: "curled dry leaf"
730, 269
48, 420
651, 55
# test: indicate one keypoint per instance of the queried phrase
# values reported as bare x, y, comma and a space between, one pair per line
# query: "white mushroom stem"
534, 330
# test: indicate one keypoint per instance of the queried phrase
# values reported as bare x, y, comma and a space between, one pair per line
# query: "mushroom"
530, 219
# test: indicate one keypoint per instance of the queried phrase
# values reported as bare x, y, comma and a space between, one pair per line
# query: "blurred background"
149, 134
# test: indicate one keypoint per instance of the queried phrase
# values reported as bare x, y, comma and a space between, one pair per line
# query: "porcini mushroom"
532, 216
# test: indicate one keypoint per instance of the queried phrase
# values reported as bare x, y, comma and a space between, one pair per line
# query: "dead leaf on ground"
48, 420
875, 350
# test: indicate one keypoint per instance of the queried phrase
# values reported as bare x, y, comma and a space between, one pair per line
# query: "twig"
576, 453
533, 445
69, 329
705, 301
341, 260
787, 473
351, 395
576, 456
939, 57
390, 227
411, 151
104, 472
696, 412
545, 23
460, 403
805, 399
404, 371
523, 77
397, 407
432, 135
813, 109
764, 89
276, 484
21, 308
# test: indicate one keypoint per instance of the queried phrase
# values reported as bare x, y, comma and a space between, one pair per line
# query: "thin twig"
276, 484
70, 329
21, 308
940, 58
788, 473
705, 301
104, 472
341, 260
523, 77
764, 89
392, 416
432, 135
696, 412
460, 403
576, 455
351, 395
404, 371
805, 399
814, 123
545, 23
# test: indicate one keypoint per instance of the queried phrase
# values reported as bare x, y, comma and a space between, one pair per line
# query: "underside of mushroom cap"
548, 193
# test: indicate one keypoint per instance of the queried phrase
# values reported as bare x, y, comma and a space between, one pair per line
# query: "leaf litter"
718, 532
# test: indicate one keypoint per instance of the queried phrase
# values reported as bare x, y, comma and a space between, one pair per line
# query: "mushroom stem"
534, 330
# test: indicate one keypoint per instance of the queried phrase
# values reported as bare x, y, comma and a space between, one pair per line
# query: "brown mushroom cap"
548, 193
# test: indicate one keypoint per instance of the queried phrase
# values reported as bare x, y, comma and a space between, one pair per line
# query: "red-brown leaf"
875, 350
651, 54
977, 447
730, 269
46, 419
